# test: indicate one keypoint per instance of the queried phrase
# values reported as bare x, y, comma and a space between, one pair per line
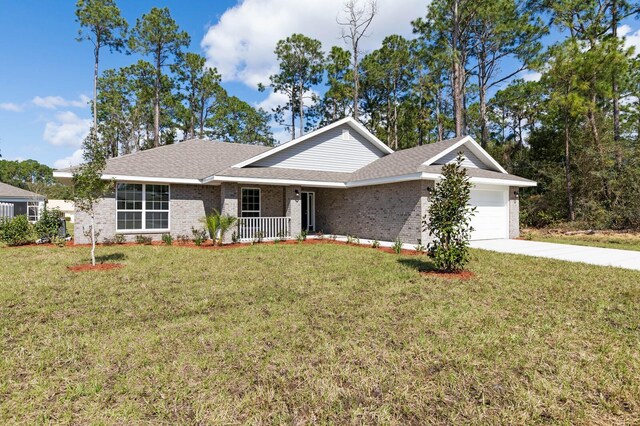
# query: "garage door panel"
490, 220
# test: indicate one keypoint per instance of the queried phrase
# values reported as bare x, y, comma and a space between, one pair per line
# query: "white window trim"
143, 211
259, 211
38, 207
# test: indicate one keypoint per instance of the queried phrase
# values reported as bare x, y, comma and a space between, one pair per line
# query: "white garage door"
491, 219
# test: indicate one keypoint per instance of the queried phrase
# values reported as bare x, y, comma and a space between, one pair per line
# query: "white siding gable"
470, 159
341, 149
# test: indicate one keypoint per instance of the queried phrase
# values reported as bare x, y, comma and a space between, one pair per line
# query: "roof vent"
345, 134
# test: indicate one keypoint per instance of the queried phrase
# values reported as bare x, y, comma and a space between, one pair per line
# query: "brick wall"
188, 203
383, 212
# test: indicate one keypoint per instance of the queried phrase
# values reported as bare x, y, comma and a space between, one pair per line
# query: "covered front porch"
268, 212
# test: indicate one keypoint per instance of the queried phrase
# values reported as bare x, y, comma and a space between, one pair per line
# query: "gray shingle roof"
478, 173
192, 159
199, 159
282, 173
9, 191
402, 162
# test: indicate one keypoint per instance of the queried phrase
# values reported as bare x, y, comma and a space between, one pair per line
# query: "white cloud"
55, 102
67, 130
10, 106
72, 160
241, 44
531, 76
273, 100
631, 39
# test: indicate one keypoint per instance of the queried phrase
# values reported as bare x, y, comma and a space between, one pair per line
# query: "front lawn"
606, 239
309, 334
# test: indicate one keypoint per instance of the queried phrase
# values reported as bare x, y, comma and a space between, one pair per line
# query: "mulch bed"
99, 267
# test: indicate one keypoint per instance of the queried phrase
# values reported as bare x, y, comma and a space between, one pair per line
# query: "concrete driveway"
627, 259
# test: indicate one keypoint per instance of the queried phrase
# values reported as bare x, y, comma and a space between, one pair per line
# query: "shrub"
420, 248
167, 239
449, 219
108, 241
304, 234
397, 246
320, 235
119, 239
143, 239
199, 236
49, 223
350, 239
375, 244
182, 238
257, 237
218, 224
16, 231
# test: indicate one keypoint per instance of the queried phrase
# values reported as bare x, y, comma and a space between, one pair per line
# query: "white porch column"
229, 205
294, 208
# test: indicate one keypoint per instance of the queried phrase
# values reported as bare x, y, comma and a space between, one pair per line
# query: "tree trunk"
614, 83
201, 131
356, 80
93, 239
567, 168
482, 88
458, 78
96, 54
599, 148
438, 118
156, 118
293, 119
301, 107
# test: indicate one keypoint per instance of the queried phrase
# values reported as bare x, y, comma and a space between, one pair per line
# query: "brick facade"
382, 212
188, 204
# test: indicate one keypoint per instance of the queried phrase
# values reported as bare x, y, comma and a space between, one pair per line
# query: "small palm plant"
218, 224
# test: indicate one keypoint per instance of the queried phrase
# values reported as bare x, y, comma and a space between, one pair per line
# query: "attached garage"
491, 218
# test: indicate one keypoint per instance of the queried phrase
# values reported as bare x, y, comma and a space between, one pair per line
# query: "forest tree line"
575, 129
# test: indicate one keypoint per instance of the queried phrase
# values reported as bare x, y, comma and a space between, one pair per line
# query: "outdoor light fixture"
297, 193
516, 194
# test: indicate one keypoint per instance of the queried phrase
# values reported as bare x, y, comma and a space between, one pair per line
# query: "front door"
308, 211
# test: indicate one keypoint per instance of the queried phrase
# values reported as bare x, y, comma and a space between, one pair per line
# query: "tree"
233, 120
447, 29
389, 70
449, 218
201, 86
101, 23
157, 34
355, 25
88, 186
336, 101
301, 66
501, 29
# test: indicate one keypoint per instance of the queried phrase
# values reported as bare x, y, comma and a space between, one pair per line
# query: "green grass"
313, 334
608, 239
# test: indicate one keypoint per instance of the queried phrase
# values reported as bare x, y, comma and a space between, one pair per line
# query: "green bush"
16, 231
397, 246
167, 239
199, 236
49, 223
143, 239
449, 219
119, 239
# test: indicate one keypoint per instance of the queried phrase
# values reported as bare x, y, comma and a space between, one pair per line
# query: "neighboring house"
66, 207
24, 202
339, 179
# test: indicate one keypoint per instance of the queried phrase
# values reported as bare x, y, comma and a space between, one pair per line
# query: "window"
250, 206
33, 211
142, 207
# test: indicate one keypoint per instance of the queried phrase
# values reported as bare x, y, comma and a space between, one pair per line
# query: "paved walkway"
627, 259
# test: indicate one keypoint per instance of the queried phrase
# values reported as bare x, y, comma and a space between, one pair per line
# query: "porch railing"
264, 228
6, 210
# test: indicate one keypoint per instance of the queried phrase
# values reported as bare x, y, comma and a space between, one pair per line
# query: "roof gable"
344, 146
475, 155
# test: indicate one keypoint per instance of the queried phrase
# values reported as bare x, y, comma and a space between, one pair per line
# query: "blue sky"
46, 75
